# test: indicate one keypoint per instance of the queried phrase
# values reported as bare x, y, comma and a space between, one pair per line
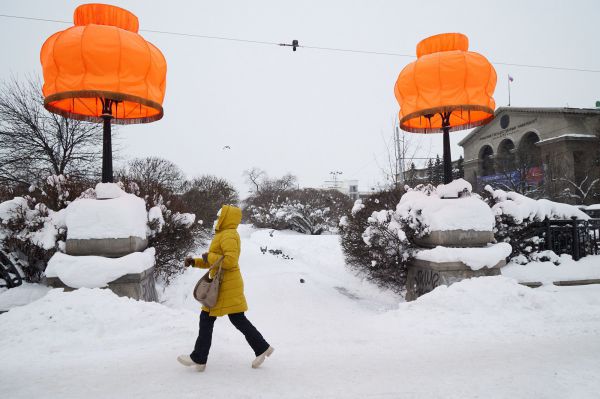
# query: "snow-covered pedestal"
131, 275
458, 226
105, 239
114, 226
445, 266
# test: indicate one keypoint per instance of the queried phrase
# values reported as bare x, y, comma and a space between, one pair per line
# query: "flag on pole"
510, 78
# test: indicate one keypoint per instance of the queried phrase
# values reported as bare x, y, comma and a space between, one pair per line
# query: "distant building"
348, 187
530, 148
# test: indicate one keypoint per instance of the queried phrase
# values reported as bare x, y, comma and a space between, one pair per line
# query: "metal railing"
577, 238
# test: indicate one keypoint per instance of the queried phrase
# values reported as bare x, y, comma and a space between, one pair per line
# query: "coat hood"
230, 218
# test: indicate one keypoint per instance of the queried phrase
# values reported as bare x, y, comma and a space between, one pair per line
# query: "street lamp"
447, 88
101, 70
334, 175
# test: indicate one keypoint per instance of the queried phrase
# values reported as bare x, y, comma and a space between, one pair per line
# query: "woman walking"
231, 300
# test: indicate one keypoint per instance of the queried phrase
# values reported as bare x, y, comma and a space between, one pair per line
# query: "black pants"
239, 320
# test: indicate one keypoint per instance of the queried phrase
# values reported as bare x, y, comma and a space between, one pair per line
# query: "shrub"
373, 241
32, 233
518, 222
307, 211
174, 235
205, 195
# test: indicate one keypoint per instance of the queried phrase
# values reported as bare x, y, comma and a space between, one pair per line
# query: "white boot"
187, 361
261, 358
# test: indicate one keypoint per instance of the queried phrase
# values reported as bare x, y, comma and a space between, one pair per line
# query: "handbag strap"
217, 263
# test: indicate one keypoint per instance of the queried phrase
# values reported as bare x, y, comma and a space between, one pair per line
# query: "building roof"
533, 110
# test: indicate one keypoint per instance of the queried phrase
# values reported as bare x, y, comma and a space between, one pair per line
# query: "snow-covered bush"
307, 211
31, 232
518, 218
174, 235
373, 242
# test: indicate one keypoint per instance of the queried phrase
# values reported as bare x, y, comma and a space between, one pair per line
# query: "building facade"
542, 152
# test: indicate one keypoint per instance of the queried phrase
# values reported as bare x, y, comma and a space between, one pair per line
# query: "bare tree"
581, 192
205, 195
267, 191
400, 153
254, 178
35, 143
260, 182
154, 175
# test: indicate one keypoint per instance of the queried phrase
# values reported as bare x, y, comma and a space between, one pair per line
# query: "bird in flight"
227, 147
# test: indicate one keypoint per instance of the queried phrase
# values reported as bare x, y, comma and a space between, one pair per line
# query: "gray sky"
310, 112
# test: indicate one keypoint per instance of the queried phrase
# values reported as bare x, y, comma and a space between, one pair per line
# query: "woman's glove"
188, 261
205, 257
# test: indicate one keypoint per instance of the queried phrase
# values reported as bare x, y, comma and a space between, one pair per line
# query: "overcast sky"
311, 112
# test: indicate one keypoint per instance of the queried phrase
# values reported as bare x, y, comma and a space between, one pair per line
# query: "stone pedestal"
107, 247
138, 286
423, 276
456, 238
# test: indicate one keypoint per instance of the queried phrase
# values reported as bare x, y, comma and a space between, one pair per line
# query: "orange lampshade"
103, 57
446, 79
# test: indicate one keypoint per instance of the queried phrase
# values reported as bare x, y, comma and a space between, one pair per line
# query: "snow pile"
108, 191
120, 217
475, 258
79, 320
454, 189
549, 271
483, 296
522, 208
22, 295
97, 271
428, 208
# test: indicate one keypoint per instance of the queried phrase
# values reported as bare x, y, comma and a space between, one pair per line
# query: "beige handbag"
206, 290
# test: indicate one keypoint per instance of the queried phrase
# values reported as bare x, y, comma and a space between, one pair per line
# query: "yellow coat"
227, 243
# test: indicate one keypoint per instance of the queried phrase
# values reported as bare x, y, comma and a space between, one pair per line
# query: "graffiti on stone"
426, 280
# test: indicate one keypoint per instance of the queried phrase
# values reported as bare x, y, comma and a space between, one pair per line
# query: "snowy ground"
335, 337
587, 268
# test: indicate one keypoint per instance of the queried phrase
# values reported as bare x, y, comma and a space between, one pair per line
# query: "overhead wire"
329, 49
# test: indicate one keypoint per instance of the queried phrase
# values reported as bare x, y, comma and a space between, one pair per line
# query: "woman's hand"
188, 261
